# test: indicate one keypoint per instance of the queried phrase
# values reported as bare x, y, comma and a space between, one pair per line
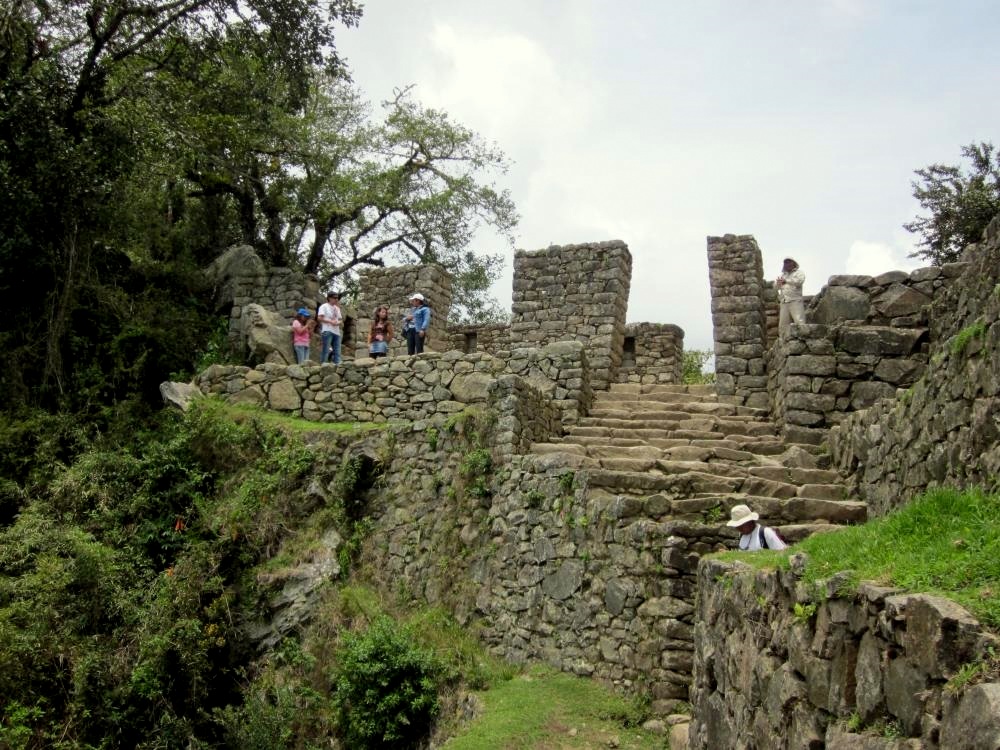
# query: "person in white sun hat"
753, 536
415, 324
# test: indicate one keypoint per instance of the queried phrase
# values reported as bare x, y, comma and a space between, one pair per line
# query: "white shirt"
751, 542
330, 312
791, 290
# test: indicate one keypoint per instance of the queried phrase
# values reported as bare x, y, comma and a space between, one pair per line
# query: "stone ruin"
612, 479
562, 293
864, 339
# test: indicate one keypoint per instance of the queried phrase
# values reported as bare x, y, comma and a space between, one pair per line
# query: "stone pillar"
739, 323
392, 286
575, 293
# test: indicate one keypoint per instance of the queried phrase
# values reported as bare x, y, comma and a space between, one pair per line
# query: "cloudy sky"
661, 122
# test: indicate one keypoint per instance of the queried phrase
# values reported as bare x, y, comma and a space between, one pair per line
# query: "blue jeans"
331, 345
301, 353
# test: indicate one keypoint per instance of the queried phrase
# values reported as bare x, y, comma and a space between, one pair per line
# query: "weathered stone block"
879, 340
974, 724
811, 364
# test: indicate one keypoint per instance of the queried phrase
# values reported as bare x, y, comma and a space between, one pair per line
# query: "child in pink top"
302, 328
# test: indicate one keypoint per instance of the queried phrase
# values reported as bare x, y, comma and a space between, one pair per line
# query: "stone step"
643, 433
611, 397
720, 459
651, 434
642, 388
725, 425
764, 447
629, 409
795, 518
684, 478
670, 411
798, 476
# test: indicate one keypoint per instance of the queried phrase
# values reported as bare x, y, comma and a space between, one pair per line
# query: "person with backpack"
753, 536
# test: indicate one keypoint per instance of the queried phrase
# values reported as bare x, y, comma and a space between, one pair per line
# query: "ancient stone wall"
574, 292
945, 430
555, 567
405, 388
818, 374
392, 286
491, 339
736, 277
835, 673
652, 353
597, 586
245, 281
865, 338
896, 299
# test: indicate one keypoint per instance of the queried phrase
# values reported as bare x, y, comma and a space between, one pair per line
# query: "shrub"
386, 688
692, 366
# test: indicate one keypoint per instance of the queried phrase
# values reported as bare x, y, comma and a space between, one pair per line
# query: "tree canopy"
139, 139
960, 203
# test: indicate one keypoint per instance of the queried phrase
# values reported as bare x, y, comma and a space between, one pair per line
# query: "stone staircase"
683, 455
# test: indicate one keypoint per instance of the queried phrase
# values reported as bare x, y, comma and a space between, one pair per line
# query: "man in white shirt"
753, 536
789, 286
330, 317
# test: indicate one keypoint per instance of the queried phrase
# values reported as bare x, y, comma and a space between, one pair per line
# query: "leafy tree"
960, 203
329, 188
74, 133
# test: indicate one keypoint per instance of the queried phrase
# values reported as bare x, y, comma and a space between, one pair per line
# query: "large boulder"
267, 335
838, 303
179, 395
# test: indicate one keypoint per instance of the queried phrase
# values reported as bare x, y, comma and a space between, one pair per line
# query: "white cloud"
505, 84
873, 258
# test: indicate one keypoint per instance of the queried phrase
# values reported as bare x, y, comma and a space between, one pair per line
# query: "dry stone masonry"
945, 429
404, 388
575, 292
652, 353
834, 671
392, 287
736, 276
550, 479
581, 551
865, 338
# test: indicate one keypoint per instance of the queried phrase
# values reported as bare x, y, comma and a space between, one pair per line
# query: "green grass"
546, 709
966, 335
946, 542
298, 424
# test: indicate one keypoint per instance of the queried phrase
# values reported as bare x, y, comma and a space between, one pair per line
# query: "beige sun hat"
741, 514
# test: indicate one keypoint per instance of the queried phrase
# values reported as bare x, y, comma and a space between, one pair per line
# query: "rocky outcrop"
779, 666
267, 335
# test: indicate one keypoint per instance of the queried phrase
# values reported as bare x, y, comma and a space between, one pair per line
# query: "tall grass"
946, 542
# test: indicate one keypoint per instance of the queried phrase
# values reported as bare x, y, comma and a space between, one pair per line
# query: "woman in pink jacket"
302, 328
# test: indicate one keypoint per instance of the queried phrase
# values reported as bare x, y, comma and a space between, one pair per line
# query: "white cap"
417, 295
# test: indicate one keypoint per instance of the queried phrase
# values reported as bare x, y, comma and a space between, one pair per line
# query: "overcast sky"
661, 122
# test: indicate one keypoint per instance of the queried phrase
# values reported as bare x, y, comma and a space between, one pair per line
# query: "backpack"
762, 537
